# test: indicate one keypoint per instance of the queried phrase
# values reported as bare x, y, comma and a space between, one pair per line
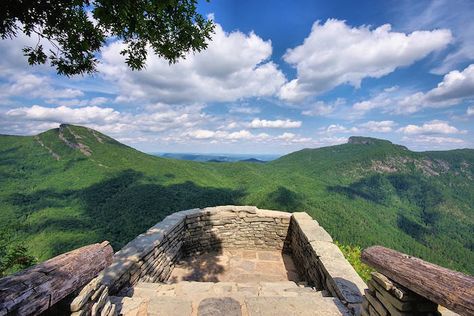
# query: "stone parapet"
321, 262
151, 256
235, 227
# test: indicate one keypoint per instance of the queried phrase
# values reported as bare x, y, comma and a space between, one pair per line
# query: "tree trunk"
445, 287
34, 290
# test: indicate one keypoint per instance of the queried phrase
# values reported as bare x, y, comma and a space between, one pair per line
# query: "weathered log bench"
37, 289
405, 285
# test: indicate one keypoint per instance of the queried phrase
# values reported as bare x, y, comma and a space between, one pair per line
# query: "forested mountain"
73, 186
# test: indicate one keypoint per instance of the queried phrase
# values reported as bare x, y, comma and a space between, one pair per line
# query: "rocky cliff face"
360, 140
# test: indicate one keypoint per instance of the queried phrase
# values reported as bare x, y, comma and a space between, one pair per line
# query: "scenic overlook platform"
230, 260
233, 260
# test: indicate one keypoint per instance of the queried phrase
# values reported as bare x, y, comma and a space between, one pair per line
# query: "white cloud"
379, 101
337, 128
78, 102
470, 110
223, 136
12, 60
201, 134
453, 14
456, 87
378, 126
234, 66
28, 85
220, 136
293, 138
156, 119
370, 126
453, 89
244, 109
258, 123
286, 136
89, 114
335, 53
432, 127
321, 108
428, 140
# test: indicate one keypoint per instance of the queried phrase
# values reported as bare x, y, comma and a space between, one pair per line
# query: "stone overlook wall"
321, 263
152, 255
235, 227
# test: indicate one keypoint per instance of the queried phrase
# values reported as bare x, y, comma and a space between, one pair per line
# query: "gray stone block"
219, 306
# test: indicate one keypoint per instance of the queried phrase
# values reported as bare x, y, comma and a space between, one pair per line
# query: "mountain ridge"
420, 203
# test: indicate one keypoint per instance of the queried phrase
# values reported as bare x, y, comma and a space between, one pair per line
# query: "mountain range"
72, 186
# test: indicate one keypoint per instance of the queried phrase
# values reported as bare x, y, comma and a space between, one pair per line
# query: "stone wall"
235, 227
152, 255
385, 297
321, 263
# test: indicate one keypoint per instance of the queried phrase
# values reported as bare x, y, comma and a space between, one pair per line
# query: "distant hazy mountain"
218, 157
72, 186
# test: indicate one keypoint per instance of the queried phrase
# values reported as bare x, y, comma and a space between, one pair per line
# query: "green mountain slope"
72, 186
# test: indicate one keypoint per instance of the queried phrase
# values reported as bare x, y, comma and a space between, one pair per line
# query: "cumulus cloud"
453, 89
29, 85
379, 101
258, 123
234, 66
78, 102
155, 119
379, 126
293, 138
370, 126
12, 60
432, 127
220, 135
470, 110
337, 128
244, 109
156, 123
335, 53
456, 87
427, 140
453, 14
321, 108
89, 114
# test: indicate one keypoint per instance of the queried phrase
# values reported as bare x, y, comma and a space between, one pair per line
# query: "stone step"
227, 298
210, 289
129, 306
158, 306
295, 306
231, 306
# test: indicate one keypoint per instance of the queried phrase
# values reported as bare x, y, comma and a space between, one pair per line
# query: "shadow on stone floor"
236, 265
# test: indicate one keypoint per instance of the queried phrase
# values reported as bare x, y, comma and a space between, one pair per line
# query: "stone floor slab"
223, 306
166, 306
236, 265
294, 306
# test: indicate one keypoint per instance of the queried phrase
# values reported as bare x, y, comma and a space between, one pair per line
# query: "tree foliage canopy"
77, 29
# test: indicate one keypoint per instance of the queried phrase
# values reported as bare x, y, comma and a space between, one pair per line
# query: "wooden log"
34, 290
445, 287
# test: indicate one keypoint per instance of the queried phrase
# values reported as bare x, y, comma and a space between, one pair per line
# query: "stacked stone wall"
386, 297
321, 263
236, 227
152, 255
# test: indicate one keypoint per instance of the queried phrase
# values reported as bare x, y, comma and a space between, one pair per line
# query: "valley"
73, 186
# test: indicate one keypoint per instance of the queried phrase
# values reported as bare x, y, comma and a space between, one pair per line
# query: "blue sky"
278, 76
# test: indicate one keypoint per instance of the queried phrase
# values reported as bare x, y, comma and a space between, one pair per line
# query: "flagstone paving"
236, 266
